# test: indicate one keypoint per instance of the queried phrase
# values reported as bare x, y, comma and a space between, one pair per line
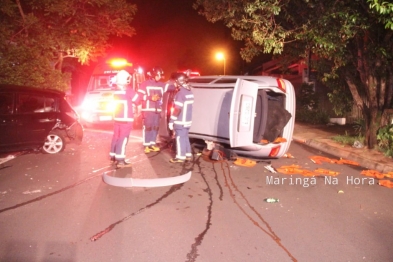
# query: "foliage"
339, 96
385, 9
347, 139
312, 116
352, 37
359, 127
307, 98
384, 136
30, 70
385, 139
341, 103
39, 39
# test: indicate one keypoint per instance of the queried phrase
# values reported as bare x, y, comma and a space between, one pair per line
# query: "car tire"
54, 142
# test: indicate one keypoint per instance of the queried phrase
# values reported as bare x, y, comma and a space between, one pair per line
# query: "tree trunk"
59, 62
371, 115
372, 118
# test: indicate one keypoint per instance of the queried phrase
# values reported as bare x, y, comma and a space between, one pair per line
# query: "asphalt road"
57, 208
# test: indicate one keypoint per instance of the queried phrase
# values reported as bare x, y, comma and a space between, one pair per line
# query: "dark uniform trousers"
121, 133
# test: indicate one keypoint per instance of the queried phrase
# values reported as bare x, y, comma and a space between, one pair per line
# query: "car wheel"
54, 142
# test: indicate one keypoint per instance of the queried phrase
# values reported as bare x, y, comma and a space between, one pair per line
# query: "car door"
242, 113
167, 107
36, 117
8, 125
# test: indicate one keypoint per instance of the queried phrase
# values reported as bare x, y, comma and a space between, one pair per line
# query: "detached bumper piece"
152, 182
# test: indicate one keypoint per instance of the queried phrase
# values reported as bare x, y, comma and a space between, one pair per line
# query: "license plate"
245, 113
105, 118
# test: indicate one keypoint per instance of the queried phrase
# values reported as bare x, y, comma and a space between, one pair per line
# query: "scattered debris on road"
326, 172
245, 162
373, 173
288, 155
271, 169
146, 182
32, 192
271, 200
386, 183
7, 158
320, 159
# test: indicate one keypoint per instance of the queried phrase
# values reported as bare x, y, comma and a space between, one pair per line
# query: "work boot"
154, 148
123, 163
147, 150
176, 160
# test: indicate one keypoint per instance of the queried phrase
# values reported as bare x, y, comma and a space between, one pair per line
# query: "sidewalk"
319, 137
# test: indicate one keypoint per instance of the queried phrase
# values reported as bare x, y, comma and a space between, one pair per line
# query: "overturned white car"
250, 115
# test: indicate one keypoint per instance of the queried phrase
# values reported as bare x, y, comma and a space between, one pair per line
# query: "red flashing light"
189, 72
119, 62
281, 84
195, 73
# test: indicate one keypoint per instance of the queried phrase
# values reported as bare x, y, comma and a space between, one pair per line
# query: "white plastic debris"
357, 144
7, 158
32, 192
271, 169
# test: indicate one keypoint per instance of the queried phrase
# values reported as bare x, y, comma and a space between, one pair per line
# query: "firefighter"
152, 91
126, 99
181, 119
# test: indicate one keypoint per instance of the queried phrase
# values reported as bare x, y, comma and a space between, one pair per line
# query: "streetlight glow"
221, 56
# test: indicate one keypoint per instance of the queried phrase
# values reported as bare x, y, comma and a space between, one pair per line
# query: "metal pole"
224, 65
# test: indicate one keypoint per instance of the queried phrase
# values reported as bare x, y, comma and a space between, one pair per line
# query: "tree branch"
22, 14
355, 94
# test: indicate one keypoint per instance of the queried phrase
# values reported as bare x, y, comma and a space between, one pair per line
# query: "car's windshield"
102, 82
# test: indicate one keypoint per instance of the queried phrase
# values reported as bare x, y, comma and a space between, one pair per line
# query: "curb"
337, 152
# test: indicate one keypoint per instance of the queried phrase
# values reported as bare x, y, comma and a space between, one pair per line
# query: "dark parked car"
33, 118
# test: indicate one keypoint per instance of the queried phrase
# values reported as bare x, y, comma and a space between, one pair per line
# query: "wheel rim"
53, 144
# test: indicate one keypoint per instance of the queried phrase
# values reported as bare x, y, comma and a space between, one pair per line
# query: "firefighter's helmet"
123, 78
181, 79
156, 72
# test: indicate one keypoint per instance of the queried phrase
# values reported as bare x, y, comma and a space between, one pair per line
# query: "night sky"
171, 34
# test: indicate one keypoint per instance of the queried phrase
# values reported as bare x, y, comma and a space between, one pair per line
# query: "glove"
170, 125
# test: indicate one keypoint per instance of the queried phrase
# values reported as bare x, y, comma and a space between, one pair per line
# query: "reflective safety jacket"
182, 113
170, 86
124, 100
147, 90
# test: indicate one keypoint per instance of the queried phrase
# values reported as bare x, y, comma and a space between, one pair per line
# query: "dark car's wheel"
54, 142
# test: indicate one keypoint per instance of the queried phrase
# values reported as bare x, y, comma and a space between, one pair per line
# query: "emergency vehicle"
98, 106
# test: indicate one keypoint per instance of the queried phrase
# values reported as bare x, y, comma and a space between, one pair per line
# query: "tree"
385, 9
353, 36
40, 38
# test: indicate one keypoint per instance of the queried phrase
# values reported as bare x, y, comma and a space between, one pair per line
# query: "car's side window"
65, 107
50, 105
30, 103
6, 103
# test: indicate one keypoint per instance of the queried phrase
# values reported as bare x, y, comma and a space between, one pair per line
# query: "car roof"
19, 88
231, 79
